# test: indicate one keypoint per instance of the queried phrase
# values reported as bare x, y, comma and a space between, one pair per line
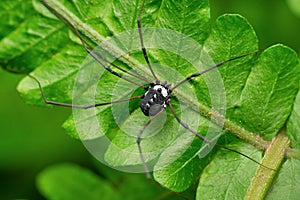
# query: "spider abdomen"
154, 100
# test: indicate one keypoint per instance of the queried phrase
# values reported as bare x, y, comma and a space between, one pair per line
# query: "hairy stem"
273, 158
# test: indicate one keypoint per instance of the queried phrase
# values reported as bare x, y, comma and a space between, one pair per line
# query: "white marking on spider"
164, 91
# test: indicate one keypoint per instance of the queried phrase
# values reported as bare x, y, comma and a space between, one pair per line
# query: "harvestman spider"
157, 96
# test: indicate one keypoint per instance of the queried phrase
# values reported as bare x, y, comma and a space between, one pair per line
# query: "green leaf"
69, 181
268, 96
27, 45
179, 165
232, 36
188, 15
57, 84
293, 125
13, 13
229, 174
286, 185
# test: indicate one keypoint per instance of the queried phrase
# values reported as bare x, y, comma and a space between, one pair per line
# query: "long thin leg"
106, 67
78, 106
123, 70
88, 48
184, 125
211, 68
90, 52
142, 42
138, 141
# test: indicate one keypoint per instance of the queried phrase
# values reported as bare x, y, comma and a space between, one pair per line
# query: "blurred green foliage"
294, 5
275, 21
32, 138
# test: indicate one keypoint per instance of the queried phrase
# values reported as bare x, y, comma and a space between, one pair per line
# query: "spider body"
155, 99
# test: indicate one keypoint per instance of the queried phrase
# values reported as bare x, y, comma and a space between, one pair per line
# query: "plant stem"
273, 158
247, 136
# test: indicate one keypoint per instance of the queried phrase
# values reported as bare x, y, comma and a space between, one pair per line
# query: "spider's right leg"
138, 141
184, 125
